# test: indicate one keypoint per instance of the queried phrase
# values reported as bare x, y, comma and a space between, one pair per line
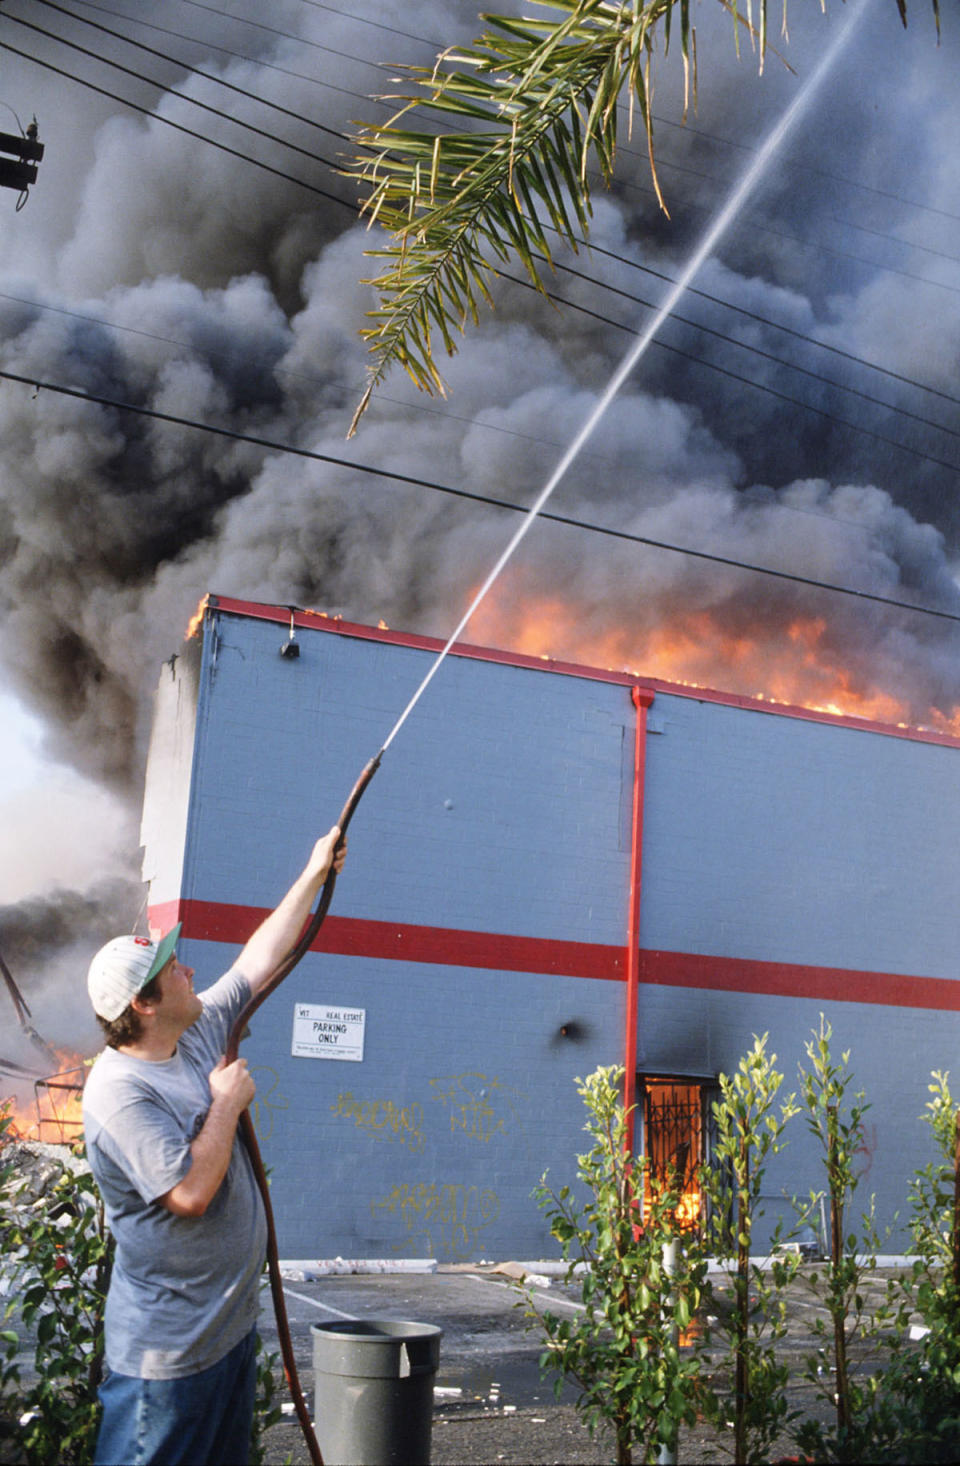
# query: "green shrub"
641, 1276
57, 1253
750, 1312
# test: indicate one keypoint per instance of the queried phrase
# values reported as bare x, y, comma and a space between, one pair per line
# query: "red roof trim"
319, 621
211, 921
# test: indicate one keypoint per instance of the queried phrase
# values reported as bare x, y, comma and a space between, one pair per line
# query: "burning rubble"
45, 1108
56, 1079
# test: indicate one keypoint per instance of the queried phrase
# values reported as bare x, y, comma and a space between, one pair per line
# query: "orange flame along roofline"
795, 661
791, 662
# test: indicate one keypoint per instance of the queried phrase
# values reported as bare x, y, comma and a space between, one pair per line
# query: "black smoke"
156, 272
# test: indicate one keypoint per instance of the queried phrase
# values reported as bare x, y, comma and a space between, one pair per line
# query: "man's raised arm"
275, 936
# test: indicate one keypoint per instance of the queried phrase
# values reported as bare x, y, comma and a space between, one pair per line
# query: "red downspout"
642, 699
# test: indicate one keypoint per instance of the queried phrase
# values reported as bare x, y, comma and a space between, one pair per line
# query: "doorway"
675, 1114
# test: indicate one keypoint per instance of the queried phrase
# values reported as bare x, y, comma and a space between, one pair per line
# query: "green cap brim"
165, 951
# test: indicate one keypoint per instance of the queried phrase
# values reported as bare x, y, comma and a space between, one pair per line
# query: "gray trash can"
373, 1391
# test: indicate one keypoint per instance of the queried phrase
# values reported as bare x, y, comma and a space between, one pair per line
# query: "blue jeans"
203, 1419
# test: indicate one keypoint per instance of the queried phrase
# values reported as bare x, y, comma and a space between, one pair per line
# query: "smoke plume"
152, 270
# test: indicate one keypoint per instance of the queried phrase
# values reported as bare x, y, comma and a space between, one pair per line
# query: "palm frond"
522, 113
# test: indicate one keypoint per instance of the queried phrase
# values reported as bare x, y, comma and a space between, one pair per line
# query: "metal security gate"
676, 1131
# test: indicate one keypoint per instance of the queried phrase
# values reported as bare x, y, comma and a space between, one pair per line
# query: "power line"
415, 406
376, 24
757, 222
619, 325
495, 503
226, 51
683, 127
168, 122
630, 152
765, 355
571, 305
567, 269
582, 275
171, 91
926, 249
741, 310
185, 66
285, 35
569, 521
744, 381
858, 184
634, 187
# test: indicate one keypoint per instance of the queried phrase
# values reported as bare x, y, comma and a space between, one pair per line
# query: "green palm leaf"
521, 113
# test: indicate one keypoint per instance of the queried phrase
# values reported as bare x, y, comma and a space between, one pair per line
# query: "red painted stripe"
791, 980
347, 936
319, 621
211, 921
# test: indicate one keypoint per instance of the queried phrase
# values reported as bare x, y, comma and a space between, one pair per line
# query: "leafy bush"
921, 1384
642, 1279
641, 1274
845, 1371
57, 1253
751, 1314
57, 1256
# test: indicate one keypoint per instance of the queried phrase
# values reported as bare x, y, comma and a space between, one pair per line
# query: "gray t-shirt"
184, 1290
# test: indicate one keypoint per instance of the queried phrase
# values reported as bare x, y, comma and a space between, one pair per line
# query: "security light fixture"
291, 647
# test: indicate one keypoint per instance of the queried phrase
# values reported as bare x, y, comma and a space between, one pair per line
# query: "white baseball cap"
123, 967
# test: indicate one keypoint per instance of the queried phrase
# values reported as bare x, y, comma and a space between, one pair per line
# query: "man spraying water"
161, 1108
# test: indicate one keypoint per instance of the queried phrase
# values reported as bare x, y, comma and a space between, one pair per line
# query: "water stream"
708, 243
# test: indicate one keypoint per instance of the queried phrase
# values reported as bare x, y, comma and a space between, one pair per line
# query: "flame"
798, 666
689, 1208
196, 620
54, 1112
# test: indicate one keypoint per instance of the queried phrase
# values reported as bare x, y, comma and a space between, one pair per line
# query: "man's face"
178, 1005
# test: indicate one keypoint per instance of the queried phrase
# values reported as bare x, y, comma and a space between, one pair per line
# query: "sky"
799, 412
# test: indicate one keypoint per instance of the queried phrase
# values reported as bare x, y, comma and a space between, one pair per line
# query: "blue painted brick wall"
774, 838
503, 807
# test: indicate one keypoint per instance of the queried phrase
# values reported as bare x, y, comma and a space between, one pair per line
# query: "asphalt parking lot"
491, 1403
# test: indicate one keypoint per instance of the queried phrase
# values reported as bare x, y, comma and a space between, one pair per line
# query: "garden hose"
247, 1130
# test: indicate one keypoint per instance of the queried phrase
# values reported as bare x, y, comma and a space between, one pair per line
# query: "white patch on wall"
321, 1032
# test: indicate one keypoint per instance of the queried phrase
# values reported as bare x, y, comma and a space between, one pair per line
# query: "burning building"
556, 867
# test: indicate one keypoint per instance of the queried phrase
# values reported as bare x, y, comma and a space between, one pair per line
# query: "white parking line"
317, 1304
554, 1299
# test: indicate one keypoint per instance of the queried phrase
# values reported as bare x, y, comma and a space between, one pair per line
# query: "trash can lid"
375, 1347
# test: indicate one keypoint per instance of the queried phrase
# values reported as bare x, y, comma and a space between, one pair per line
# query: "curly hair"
127, 1028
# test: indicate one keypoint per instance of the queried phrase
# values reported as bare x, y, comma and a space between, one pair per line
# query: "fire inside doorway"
674, 1136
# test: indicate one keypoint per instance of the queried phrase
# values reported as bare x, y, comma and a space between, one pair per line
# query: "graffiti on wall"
479, 1106
867, 1148
440, 1221
267, 1100
383, 1119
